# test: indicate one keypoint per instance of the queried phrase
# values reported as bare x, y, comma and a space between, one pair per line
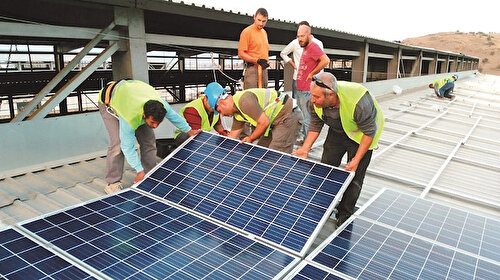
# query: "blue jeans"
302, 98
294, 89
445, 90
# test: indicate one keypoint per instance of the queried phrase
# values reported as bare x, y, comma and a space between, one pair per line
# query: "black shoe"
341, 219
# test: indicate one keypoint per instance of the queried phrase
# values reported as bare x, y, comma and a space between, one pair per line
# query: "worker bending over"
131, 109
276, 124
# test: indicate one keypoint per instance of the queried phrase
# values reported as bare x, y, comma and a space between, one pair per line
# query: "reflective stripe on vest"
266, 98
197, 104
349, 94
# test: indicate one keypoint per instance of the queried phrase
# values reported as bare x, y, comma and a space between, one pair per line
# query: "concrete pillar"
287, 77
360, 65
453, 65
433, 64
393, 65
417, 66
132, 61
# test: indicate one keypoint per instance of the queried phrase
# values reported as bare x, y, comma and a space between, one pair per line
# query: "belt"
249, 64
108, 90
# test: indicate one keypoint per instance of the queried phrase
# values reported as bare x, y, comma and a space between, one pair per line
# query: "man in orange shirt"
253, 48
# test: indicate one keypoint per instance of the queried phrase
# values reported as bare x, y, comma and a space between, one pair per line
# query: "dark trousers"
334, 148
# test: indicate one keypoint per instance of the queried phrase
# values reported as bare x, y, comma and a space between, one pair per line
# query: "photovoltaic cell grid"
306, 271
21, 258
365, 250
369, 249
456, 228
131, 236
275, 196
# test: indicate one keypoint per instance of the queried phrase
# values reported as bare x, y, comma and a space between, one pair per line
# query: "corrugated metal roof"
470, 180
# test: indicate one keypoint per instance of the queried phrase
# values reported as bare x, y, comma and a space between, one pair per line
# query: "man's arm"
127, 145
306, 147
260, 129
285, 52
323, 62
366, 141
176, 119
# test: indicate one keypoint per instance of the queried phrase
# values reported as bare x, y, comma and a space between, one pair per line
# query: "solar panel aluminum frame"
296, 271
100, 275
54, 250
357, 215
312, 237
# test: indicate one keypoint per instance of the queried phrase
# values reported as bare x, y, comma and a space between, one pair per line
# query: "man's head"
304, 35
212, 92
154, 112
431, 85
324, 90
455, 77
260, 18
225, 105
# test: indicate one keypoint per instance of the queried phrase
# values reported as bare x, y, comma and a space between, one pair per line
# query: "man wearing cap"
442, 87
132, 109
200, 113
253, 48
276, 125
355, 123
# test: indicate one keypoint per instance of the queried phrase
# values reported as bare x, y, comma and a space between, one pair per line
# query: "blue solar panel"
129, 235
274, 196
369, 248
307, 271
456, 228
22, 258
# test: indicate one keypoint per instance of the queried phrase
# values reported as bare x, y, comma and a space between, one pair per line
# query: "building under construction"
429, 207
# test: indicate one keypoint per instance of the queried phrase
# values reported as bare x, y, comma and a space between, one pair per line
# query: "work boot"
113, 187
341, 219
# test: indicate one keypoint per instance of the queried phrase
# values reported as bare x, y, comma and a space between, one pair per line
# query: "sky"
381, 19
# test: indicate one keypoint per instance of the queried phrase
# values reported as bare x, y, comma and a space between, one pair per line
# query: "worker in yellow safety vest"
444, 86
200, 113
276, 123
355, 124
131, 109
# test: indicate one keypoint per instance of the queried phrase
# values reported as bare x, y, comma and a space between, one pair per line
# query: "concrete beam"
380, 55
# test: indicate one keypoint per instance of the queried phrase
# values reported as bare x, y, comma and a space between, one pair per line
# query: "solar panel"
306, 271
22, 258
366, 248
274, 196
130, 235
456, 228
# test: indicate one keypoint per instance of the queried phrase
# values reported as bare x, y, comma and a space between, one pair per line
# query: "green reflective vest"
441, 82
265, 97
128, 99
205, 120
349, 94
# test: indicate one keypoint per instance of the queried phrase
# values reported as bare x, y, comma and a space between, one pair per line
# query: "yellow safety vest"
205, 121
349, 94
265, 97
128, 99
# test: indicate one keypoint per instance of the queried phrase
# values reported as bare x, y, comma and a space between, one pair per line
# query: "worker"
253, 48
133, 108
355, 123
200, 113
442, 87
276, 124
312, 61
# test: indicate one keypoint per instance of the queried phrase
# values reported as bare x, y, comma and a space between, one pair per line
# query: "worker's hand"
309, 77
139, 177
301, 152
352, 165
223, 132
246, 140
193, 132
262, 62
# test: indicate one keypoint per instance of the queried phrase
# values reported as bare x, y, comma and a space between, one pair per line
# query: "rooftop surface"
441, 150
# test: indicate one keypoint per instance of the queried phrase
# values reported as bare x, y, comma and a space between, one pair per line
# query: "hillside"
482, 45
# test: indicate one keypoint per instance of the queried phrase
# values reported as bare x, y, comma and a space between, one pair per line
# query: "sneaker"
114, 187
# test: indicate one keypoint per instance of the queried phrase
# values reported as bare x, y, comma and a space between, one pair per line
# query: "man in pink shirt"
312, 61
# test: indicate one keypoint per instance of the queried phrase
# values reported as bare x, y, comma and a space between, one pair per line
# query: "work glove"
262, 62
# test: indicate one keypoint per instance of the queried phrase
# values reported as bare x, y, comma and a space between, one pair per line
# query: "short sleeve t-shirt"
254, 42
308, 61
